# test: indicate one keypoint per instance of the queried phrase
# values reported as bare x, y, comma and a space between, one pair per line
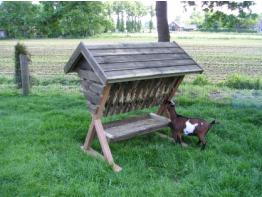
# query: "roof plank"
140, 57
148, 73
134, 61
132, 45
103, 52
148, 64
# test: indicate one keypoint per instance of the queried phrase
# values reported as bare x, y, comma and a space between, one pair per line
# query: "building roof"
134, 61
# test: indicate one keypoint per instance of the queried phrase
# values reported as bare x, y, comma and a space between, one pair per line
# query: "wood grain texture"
139, 57
149, 73
103, 52
24, 74
146, 64
135, 126
114, 63
132, 45
135, 95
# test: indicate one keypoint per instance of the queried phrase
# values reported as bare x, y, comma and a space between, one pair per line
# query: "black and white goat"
189, 126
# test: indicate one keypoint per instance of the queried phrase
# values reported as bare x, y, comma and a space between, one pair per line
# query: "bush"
19, 49
5, 80
243, 82
200, 80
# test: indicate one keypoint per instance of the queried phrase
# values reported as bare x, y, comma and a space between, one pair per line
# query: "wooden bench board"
126, 129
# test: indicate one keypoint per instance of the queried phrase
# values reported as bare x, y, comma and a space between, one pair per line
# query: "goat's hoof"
184, 145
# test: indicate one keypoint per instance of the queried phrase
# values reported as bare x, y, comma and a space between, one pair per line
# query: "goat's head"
170, 103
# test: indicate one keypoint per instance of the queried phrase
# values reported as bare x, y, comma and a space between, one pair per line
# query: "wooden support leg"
104, 145
96, 127
90, 136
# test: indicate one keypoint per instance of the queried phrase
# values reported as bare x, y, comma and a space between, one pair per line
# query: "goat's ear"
173, 102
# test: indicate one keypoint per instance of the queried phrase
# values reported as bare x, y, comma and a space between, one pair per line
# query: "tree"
17, 18
162, 23
152, 14
215, 19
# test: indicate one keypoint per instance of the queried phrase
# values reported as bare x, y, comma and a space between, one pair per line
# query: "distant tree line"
216, 20
69, 19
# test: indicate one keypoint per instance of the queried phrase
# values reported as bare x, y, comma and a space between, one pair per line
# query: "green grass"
243, 82
40, 150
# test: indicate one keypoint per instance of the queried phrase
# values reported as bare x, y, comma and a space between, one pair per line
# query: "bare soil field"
220, 54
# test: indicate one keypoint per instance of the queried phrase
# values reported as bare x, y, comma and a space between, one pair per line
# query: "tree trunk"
162, 24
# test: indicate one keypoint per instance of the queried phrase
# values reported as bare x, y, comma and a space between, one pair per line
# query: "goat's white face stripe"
189, 127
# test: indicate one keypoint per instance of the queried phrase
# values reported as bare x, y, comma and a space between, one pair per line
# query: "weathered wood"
92, 107
148, 64
92, 62
24, 74
97, 88
103, 52
90, 136
89, 75
83, 64
129, 96
132, 45
107, 60
74, 59
140, 57
91, 96
134, 127
149, 73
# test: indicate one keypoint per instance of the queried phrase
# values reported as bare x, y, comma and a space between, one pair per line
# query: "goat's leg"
199, 141
175, 136
203, 141
183, 144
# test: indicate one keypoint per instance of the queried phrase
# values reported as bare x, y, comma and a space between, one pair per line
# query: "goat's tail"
212, 123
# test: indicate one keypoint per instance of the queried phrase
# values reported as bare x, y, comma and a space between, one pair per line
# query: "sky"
176, 8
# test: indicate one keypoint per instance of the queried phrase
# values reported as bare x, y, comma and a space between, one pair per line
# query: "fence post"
24, 74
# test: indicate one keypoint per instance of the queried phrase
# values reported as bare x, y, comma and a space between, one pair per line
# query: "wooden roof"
134, 61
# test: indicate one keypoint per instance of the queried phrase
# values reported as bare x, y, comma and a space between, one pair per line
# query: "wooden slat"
89, 75
92, 62
118, 76
101, 52
132, 45
91, 96
148, 64
140, 57
91, 107
133, 127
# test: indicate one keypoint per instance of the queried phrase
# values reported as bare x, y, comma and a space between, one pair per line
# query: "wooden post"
24, 74
96, 128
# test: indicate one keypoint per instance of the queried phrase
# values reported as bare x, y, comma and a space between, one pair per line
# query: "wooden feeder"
118, 78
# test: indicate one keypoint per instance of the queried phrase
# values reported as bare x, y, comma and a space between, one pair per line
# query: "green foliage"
20, 49
243, 82
200, 80
219, 20
18, 18
133, 12
55, 18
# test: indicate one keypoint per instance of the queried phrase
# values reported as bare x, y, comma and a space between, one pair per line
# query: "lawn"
41, 156
41, 134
